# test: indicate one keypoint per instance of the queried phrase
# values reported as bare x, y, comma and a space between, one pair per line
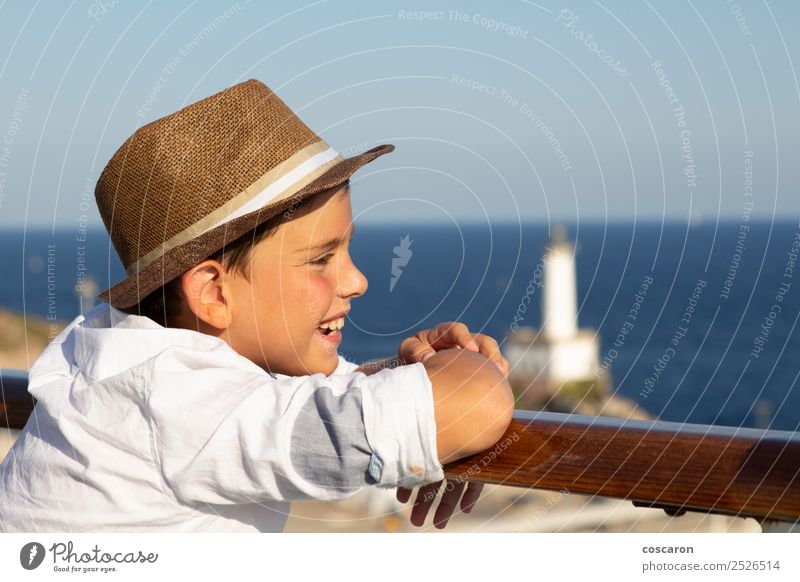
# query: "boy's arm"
472, 400
251, 436
315, 436
419, 348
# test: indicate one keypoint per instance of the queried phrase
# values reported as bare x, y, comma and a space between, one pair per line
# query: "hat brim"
176, 261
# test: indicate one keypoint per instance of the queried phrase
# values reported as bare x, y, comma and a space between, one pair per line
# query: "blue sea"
711, 340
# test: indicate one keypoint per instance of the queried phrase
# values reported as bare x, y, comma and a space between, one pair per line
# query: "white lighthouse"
560, 352
560, 303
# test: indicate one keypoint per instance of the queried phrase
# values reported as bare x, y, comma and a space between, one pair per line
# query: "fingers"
471, 496
452, 334
403, 494
450, 497
413, 350
490, 348
422, 505
452, 493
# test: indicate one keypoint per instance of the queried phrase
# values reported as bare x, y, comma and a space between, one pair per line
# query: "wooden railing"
16, 404
674, 466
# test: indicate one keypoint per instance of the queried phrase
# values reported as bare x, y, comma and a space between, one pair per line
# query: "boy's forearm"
473, 403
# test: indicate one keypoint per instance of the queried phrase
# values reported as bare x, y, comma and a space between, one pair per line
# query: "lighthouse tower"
560, 352
560, 317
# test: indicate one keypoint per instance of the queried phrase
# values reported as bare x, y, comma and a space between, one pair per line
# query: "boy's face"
295, 285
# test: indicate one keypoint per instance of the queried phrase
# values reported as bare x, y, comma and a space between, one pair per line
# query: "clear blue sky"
500, 111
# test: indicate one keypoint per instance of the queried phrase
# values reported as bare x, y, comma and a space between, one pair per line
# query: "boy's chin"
323, 364
328, 366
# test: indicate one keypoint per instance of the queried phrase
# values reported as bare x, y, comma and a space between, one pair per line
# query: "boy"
208, 393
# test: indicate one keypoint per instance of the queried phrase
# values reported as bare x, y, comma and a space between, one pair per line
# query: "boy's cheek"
318, 298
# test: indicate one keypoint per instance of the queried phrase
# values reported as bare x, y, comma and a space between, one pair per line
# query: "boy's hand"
452, 492
420, 347
449, 335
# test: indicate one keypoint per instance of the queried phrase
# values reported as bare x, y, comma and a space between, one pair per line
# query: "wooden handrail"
677, 467
674, 466
16, 404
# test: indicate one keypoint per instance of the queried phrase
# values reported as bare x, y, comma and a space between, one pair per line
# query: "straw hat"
182, 187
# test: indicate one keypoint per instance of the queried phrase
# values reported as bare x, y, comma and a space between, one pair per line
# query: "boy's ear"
205, 293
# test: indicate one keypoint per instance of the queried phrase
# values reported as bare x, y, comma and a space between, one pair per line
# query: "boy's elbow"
502, 410
473, 400
495, 411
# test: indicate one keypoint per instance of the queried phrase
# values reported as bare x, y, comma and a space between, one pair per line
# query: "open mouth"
332, 329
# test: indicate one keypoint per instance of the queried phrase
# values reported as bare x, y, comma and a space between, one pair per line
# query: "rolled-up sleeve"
401, 428
225, 435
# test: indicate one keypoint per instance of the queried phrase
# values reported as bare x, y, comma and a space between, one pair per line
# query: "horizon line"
498, 222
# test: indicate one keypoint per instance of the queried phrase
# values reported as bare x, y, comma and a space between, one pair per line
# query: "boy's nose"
352, 282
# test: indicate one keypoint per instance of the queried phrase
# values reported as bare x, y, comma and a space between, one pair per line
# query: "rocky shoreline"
23, 338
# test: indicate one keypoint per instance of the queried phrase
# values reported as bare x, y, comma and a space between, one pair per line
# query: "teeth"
333, 325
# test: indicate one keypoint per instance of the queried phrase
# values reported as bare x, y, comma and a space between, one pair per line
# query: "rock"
23, 339
591, 398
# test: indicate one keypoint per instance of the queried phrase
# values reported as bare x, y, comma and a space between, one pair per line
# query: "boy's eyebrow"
328, 245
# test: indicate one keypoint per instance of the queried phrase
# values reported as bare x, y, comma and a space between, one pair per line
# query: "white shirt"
144, 428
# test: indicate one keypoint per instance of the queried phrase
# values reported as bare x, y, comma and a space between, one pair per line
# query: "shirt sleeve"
226, 435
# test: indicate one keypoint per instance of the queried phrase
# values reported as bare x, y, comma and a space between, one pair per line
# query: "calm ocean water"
737, 346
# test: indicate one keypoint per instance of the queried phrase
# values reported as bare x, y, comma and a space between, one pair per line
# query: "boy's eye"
323, 260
